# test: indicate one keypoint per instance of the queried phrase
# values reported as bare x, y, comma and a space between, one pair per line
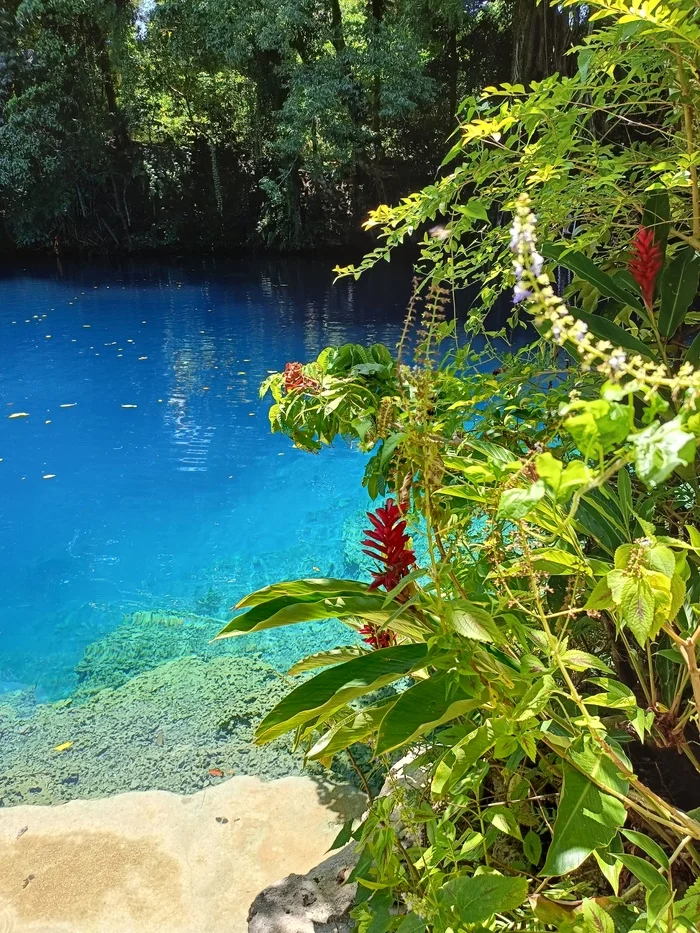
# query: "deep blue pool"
144, 475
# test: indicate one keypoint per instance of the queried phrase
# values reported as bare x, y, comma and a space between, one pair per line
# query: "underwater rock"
317, 902
141, 862
165, 729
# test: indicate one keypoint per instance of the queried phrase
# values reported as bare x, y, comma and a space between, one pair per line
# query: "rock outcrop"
317, 902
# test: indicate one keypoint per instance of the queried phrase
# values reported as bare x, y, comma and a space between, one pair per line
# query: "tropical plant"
540, 626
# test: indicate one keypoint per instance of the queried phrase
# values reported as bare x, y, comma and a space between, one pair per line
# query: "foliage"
211, 124
547, 689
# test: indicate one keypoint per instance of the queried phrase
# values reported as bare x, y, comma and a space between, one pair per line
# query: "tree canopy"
219, 123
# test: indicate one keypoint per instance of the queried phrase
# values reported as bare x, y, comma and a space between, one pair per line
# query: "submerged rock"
182, 726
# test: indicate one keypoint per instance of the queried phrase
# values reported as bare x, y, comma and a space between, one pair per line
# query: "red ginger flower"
294, 378
387, 543
646, 263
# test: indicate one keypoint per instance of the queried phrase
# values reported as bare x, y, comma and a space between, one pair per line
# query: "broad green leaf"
532, 847
649, 846
586, 269
596, 920
333, 688
475, 209
601, 595
535, 699
515, 504
583, 661
477, 899
411, 923
303, 589
462, 756
587, 819
288, 611
353, 728
326, 659
637, 608
610, 867
561, 479
422, 708
679, 286
659, 449
472, 621
692, 354
503, 820
613, 695
644, 871
599, 426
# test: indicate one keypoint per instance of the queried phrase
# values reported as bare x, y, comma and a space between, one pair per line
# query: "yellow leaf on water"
68, 405
64, 747
129, 406
49, 476
19, 414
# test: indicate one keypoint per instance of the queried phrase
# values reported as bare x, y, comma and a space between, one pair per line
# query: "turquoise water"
141, 474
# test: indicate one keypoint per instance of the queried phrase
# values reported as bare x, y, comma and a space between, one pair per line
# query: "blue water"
145, 475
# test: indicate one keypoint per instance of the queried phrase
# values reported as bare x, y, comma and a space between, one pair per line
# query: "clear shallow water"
166, 490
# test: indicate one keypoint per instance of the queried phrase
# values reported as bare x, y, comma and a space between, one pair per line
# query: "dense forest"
207, 125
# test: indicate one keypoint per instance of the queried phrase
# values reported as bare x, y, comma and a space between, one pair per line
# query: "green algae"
167, 728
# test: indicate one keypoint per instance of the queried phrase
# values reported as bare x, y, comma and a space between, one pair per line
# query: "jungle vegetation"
216, 124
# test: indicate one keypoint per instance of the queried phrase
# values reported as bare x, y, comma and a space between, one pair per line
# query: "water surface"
140, 473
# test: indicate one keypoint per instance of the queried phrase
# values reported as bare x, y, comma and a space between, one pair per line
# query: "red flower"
377, 639
387, 542
646, 263
294, 378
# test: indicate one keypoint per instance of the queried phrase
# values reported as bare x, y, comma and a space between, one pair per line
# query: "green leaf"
692, 354
587, 819
583, 661
333, 688
343, 837
353, 728
607, 330
679, 286
644, 871
477, 899
422, 708
475, 209
659, 449
614, 695
457, 761
562, 480
288, 610
503, 820
588, 270
601, 595
326, 659
657, 216
472, 621
637, 608
599, 426
303, 589
648, 846
411, 923
532, 847
516, 503
596, 919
